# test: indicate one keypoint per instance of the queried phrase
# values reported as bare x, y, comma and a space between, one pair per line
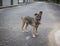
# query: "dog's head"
38, 15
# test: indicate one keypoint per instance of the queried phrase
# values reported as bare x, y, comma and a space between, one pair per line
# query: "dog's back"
28, 19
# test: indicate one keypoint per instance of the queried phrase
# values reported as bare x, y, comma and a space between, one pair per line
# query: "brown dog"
34, 22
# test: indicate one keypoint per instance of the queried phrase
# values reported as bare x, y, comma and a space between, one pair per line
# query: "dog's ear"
40, 12
35, 14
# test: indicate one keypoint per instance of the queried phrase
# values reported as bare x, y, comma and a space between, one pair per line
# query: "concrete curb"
54, 3
57, 4
21, 4
1, 7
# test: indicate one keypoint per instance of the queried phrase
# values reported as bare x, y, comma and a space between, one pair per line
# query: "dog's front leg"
33, 32
26, 25
23, 24
36, 31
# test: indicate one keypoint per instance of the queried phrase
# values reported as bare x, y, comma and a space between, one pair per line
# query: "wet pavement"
10, 24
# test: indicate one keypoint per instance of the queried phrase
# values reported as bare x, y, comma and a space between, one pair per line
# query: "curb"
57, 4
20, 4
54, 3
1, 7
8, 6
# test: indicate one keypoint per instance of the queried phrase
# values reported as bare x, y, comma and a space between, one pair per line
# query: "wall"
20, 0
15, 2
6, 3
0, 2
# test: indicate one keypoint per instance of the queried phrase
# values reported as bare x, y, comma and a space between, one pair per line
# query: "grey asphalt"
10, 24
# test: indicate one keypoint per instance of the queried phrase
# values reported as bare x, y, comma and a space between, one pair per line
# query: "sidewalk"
20, 4
1, 7
56, 4
53, 3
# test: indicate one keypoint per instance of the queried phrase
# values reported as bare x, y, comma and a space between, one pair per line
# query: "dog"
34, 22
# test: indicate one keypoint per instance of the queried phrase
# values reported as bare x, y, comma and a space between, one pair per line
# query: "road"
10, 24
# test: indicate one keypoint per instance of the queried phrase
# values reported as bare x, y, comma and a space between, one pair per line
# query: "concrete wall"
0, 2
6, 3
15, 2
20, 0
31, 0
26, 1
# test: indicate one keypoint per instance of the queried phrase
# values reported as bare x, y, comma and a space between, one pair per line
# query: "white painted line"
57, 37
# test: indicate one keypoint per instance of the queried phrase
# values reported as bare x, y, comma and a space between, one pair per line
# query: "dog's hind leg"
23, 24
26, 25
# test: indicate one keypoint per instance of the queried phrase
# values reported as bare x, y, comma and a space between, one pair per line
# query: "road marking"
51, 38
57, 37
